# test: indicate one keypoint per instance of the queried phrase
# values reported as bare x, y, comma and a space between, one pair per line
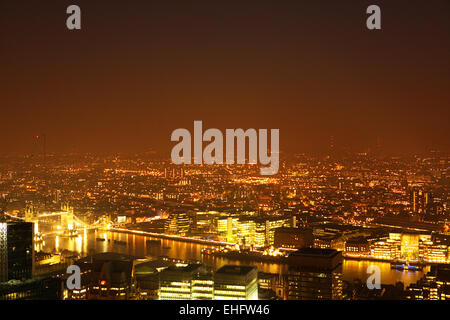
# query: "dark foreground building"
293, 238
32, 289
105, 276
16, 251
315, 274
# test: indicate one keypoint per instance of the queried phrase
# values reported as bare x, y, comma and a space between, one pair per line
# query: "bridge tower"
29, 213
67, 218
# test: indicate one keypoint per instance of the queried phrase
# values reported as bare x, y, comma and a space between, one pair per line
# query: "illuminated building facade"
176, 282
191, 282
436, 249
233, 282
357, 247
178, 223
256, 231
203, 286
315, 274
410, 247
385, 249
329, 242
438, 253
435, 285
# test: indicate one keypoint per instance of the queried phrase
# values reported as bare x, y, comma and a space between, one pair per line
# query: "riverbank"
172, 237
136, 244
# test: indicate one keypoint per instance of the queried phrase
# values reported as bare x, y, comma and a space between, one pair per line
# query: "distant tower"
43, 143
58, 196
420, 200
44, 146
332, 146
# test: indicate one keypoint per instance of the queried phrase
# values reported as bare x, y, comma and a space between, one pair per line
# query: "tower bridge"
61, 221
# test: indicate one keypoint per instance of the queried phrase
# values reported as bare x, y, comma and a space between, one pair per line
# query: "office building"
357, 247
175, 282
233, 282
435, 285
16, 250
315, 274
177, 223
258, 231
202, 286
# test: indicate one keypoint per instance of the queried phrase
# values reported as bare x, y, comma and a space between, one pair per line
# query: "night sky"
137, 70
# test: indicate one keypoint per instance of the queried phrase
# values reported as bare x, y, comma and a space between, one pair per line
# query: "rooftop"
315, 252
183, 267
233, 269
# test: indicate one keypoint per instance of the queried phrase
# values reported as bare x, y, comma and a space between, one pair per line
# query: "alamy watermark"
373, 21
374, 280
213, 153
74, 280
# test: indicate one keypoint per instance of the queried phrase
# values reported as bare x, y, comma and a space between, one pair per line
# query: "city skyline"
225, 150
329, 221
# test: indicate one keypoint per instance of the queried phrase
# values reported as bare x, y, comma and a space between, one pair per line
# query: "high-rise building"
233, 282
47, 288
202, 286
16, 250
420, 200
176, 282
259, 231
315, 274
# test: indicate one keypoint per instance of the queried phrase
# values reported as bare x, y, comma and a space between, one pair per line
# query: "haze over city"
135, 72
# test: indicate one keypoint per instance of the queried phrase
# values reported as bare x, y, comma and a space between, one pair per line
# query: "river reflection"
87, 243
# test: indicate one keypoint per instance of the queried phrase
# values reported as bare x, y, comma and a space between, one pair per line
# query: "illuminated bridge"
62, 221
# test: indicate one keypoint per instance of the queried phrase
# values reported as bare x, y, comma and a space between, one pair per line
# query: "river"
136, 245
